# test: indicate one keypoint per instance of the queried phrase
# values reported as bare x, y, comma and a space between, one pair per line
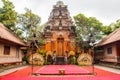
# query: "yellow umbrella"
71, 53
49, 53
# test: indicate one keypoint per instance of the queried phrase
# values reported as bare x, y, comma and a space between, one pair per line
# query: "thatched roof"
113, 37
6, 34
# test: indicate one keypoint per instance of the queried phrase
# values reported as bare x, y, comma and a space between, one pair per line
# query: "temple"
60, 32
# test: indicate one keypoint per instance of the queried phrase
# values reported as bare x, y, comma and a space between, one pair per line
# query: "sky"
106, 11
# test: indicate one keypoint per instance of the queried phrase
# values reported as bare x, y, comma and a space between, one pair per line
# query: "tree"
8, 16
41, 27
110, 28
28, 23
85, 26
117, 24
107, 30
40, 34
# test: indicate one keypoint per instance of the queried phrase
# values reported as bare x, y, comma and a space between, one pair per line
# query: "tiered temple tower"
60, 31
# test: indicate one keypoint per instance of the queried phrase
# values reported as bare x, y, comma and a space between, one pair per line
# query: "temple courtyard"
52, 72
61, 49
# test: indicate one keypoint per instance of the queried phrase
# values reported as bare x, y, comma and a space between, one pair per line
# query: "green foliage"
40, 38
28, 23
41, 27
8, 17
117, 24
107, 30
40, 35
86, 26
26, 59
42, 52
110, 28
47, 63
80, 20
72, 59
49, 60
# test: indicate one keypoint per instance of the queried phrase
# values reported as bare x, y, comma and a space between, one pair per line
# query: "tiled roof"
113, 37
6, 34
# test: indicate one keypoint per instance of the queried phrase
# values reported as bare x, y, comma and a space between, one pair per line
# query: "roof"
6, 34
113, 37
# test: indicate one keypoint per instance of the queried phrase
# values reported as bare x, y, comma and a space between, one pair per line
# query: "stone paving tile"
11, 70
108, 69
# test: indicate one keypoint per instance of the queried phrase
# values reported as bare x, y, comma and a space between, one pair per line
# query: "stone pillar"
48, 48
65, 46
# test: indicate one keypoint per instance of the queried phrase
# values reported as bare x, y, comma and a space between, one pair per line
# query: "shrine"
60, 31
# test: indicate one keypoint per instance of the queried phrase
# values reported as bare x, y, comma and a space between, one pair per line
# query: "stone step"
60, 60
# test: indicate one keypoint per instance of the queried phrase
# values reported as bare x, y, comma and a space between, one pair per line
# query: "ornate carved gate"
60, 47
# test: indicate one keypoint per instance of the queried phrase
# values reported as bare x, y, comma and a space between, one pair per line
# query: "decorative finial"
60, 3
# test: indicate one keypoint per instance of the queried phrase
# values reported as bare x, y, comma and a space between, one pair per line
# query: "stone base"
62, 71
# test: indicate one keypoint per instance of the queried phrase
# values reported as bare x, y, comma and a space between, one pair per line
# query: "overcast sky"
106, 11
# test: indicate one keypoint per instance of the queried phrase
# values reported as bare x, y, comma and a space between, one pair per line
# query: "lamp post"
91, 43
32, 44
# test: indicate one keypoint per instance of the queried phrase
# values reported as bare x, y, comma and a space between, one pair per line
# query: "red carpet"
65, 78
69, 70
25, 74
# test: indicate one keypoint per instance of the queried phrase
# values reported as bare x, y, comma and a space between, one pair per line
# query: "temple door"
60, 47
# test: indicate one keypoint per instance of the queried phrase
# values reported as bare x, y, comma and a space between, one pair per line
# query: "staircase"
60, 60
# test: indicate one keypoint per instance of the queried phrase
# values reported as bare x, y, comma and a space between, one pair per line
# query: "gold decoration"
49, 53
71, 53
37, 59
85, 59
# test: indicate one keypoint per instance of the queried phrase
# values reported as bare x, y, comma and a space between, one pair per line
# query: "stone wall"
14, 56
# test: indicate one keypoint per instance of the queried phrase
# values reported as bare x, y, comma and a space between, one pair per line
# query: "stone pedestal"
62, 71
